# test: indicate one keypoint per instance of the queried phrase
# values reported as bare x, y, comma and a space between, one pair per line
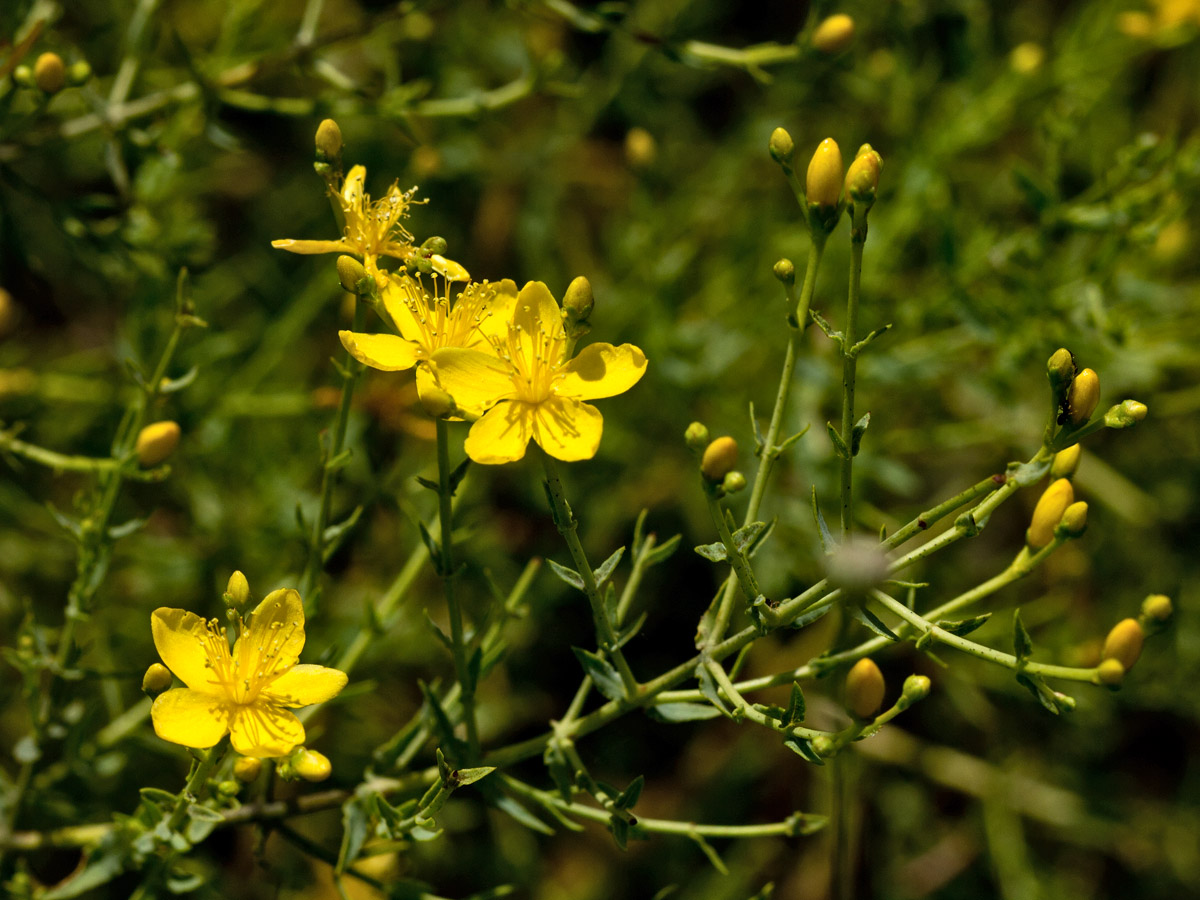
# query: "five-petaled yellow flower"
530, 388
428, 324
242, 692
373, 229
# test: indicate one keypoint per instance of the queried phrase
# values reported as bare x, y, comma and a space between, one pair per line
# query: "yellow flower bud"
916, 687
312, 766
1074, 519
785, 271
824, 183
733, 482
237, 591
578, 301
1110, 672
1049, 512
1157, 608
328, 140
156, 442
1125, 414
79, 73
864, 688
719, 459
1060, 369
437, 403
640, 148
1124, 643
49, 73
696, 436
156, 680
23, 75
834, 34
247, 769
1026, 58
862, 178
352, 274
1083, 396
1066, 462
781, 147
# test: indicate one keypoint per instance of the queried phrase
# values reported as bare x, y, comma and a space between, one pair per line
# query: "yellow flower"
373, 229
531, 390
241, 692
428, 324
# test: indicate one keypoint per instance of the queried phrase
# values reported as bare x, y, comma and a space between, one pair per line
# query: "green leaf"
713, 552
605, 569
560, 770
171, 385
355, 825
441, 721
787, 444
102, 866
857, 432
428, 483
682, 712
707, 849
603, 675
708, 687
965, 626
862, 345
204, 814
629, 631
159, 797
125, 529
751, 534
828, 544
803, 747
759, 441
515, 810
463, 777
662, 551
873, 622
335, 533
619, 827
628, 797
824, 325
459, 473
796, 707
570, 576
437, 631
1022, 643
839, 444
1041, 690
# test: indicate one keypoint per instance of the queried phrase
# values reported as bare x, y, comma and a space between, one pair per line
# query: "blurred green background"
1042, 171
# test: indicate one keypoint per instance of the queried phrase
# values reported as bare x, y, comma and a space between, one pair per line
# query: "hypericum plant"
506, 361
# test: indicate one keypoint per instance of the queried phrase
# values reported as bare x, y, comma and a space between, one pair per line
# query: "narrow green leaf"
629, 797
713, 552
857, 432
873, 622
662, 551
803, 747
707, 849
605, 569
965, 626
828, 544
570, 576
1022, 643
603, 675
515, 810
459, 473
682, 712
796, 707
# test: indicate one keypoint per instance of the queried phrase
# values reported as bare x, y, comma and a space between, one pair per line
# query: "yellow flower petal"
499, 312
275, 637
476, 380
263, 730
426, 382
192, 718
388, 352
568, 429
308, 248
537, 312
501, 435
178, 637
601, 370
352, 187
403, 299
304, 685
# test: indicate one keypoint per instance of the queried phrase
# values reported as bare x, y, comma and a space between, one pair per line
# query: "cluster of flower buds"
717, 460
50, 74
1057, 512
1077, 393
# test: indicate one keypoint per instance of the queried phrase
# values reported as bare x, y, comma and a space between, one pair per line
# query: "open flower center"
242, 674
535, 360
442, 323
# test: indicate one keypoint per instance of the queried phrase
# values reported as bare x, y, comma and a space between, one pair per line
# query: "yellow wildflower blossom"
428, 324
243, 691
531, 389
373, 229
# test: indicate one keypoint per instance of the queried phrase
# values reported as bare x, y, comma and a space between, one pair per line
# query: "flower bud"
1049, 512
79, 73
23, 75
247, 769
1124, 643
1110, 672
1066, 462
824, 746
834, 34
1157, 608
824, 183
1074, 520
916, 687
719, 459
311, 765
1083, 396
864, 688
1060, 369
578, 300
1026, 58
157, 442
156, 680
785, 271
1125, 414
640, 148
437, 403
352, 274
237, 591
49, 73
733, 482
435, 245
781, 147
328, 140
696, 436
862, 178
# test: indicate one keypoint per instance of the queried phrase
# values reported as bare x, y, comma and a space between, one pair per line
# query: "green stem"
331, 464
446, 570
746, 710
858, 238
737, 559
937, 513
194, 789
568, 527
